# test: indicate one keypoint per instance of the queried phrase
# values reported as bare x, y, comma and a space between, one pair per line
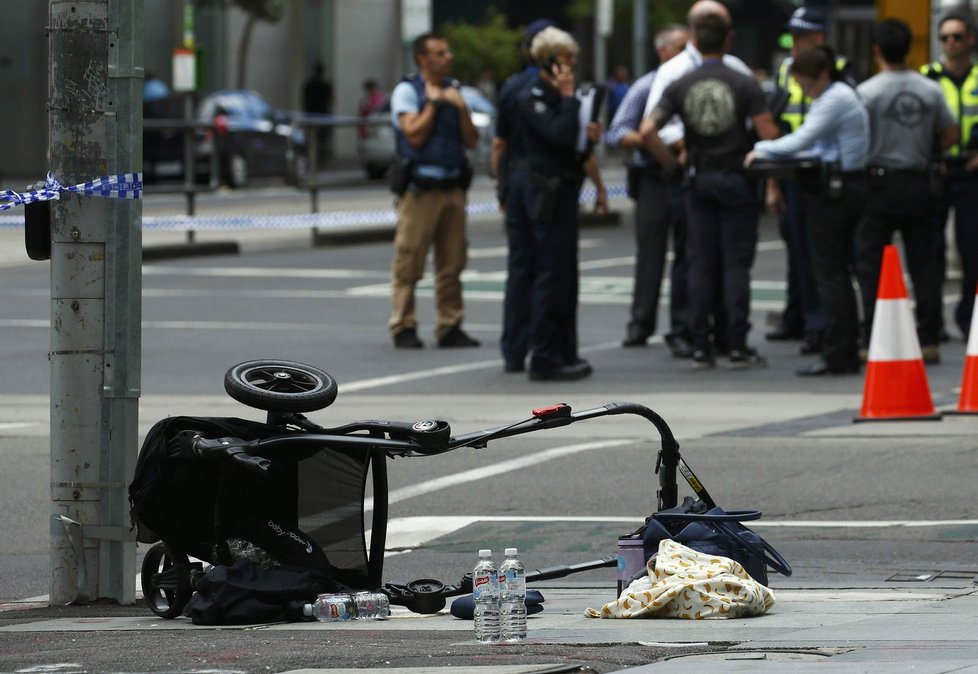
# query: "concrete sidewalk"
859, 627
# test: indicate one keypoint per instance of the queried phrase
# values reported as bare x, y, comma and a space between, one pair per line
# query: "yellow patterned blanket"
687, 584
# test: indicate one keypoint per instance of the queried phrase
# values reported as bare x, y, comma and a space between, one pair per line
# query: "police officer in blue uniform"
511, 169
548, 114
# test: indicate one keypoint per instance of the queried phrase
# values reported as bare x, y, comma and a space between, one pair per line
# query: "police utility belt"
405, 176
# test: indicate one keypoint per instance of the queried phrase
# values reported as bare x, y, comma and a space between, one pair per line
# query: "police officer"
433, 128
907, 116
548, 114
715, 102
958, 76
803, 317
837, 129
510, 167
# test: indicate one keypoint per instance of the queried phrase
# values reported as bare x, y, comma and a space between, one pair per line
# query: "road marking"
261, 272
476, 474
407, 533
445, 370
12, 425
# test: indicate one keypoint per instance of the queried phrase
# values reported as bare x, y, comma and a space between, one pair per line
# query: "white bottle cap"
485, 552
307, 610
510, 552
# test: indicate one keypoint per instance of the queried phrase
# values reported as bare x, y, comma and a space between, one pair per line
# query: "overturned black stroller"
203, 487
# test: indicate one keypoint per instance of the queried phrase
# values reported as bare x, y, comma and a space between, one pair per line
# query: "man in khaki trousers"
433, 128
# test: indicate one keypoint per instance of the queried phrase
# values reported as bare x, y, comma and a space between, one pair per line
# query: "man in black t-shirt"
715, 102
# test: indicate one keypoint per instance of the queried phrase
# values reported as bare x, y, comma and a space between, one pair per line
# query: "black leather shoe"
514, 366
680, 346
636, 336
456, 337
811, 346
408, 339
570, 372
703, 360
820, 368
742, 359
784, 335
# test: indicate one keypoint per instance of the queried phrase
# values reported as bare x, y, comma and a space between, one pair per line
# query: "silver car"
377, 146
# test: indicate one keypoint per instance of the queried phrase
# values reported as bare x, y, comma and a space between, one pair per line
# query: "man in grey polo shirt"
908, 116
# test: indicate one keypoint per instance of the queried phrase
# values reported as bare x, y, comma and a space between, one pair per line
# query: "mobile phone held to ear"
552, 65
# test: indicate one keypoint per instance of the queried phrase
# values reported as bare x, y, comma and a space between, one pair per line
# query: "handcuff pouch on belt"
831, 180
400, 176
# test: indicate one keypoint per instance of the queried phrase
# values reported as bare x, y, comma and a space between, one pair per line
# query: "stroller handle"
401, 439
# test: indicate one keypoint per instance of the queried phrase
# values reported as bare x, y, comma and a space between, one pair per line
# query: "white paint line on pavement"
261, 272
407, 533
498, 468
389, 380
17, 424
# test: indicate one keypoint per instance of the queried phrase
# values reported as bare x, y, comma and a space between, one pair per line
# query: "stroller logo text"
279, 531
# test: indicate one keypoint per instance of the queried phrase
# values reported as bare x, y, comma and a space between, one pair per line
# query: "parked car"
377, 147
249, 137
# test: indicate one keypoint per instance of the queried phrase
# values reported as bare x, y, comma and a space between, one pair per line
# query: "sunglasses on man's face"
957, 37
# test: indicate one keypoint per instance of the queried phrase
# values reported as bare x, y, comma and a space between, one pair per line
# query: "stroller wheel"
425, 595
166, 581
280, 386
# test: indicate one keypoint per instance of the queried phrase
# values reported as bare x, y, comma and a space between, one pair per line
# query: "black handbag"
714, 532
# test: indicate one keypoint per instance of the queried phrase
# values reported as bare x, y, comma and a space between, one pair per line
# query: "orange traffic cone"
968, 401
896, 383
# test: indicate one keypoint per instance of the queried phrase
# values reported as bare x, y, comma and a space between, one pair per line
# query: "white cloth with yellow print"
687, 584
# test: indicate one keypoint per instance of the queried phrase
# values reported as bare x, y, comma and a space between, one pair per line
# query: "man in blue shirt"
658, 209
433, 128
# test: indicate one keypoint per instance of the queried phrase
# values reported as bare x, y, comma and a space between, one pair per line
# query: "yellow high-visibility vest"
798, 103
962, 100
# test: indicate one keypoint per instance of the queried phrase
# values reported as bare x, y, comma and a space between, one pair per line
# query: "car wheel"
236, 170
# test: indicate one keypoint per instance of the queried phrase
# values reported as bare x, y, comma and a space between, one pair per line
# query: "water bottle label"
479, 585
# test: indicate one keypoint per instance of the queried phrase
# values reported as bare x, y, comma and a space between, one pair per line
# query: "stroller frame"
285, 389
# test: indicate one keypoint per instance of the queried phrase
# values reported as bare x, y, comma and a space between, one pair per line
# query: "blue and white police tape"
116, 186
332, 220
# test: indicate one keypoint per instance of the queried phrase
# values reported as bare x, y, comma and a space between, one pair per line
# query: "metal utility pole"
640, 35
95, 121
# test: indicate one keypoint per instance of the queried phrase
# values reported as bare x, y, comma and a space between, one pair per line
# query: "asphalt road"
759, 438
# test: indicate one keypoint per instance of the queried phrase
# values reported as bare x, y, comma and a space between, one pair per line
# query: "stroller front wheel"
166, 581
280, 386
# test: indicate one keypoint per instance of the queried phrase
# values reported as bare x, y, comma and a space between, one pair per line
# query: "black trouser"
520, 268
803, 309
553, 325
721, 213
902, 201
961, 195
833, 226
658, 210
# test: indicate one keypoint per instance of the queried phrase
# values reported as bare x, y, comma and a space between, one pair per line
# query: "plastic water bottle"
334, 608
512, 598
372, 605
485, 593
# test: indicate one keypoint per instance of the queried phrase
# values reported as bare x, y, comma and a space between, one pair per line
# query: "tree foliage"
489, 46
